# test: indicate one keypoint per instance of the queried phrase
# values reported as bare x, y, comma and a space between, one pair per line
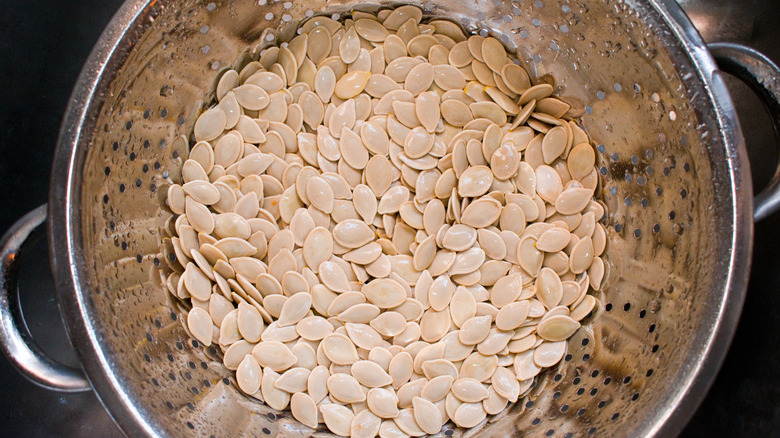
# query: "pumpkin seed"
303, 407
469, 415
400, 15
275, 398
370, 374
316, 385
481, 213
293, 380
505, 162
210, 124
421, 44
345, 388
582, 256
365, 425
351, 84
469, 390
273, 355
382, 402
547, 354
200, 325
420, 77
557, 328
337, 418
427, 415
339, 349
536, 92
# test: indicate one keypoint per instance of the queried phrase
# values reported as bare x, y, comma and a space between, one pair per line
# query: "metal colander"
673, 171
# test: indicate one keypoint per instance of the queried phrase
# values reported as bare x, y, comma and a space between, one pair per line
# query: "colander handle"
15, 339
763, 77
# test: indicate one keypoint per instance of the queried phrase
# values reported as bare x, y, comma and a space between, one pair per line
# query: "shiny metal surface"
763, 77
659, 272
15, 339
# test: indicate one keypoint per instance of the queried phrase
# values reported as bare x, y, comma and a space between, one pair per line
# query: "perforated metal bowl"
674, 175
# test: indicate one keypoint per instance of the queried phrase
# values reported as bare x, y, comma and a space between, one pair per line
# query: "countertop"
43, 45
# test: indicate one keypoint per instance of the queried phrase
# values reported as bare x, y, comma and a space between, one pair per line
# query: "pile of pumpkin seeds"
385, 227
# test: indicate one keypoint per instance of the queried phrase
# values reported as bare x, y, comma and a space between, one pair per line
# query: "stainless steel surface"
763, 76
15, 339
640, 383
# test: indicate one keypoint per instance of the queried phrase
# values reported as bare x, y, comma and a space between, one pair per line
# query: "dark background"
43, 45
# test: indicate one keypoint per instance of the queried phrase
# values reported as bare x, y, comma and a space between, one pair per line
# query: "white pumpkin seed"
345, 388
382, 402
469, 390
469, 415
339, 349
370, 374
427, 415
210, 124
547, 354
303, 407
275, 398
557, 328
273, 355
337, 418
